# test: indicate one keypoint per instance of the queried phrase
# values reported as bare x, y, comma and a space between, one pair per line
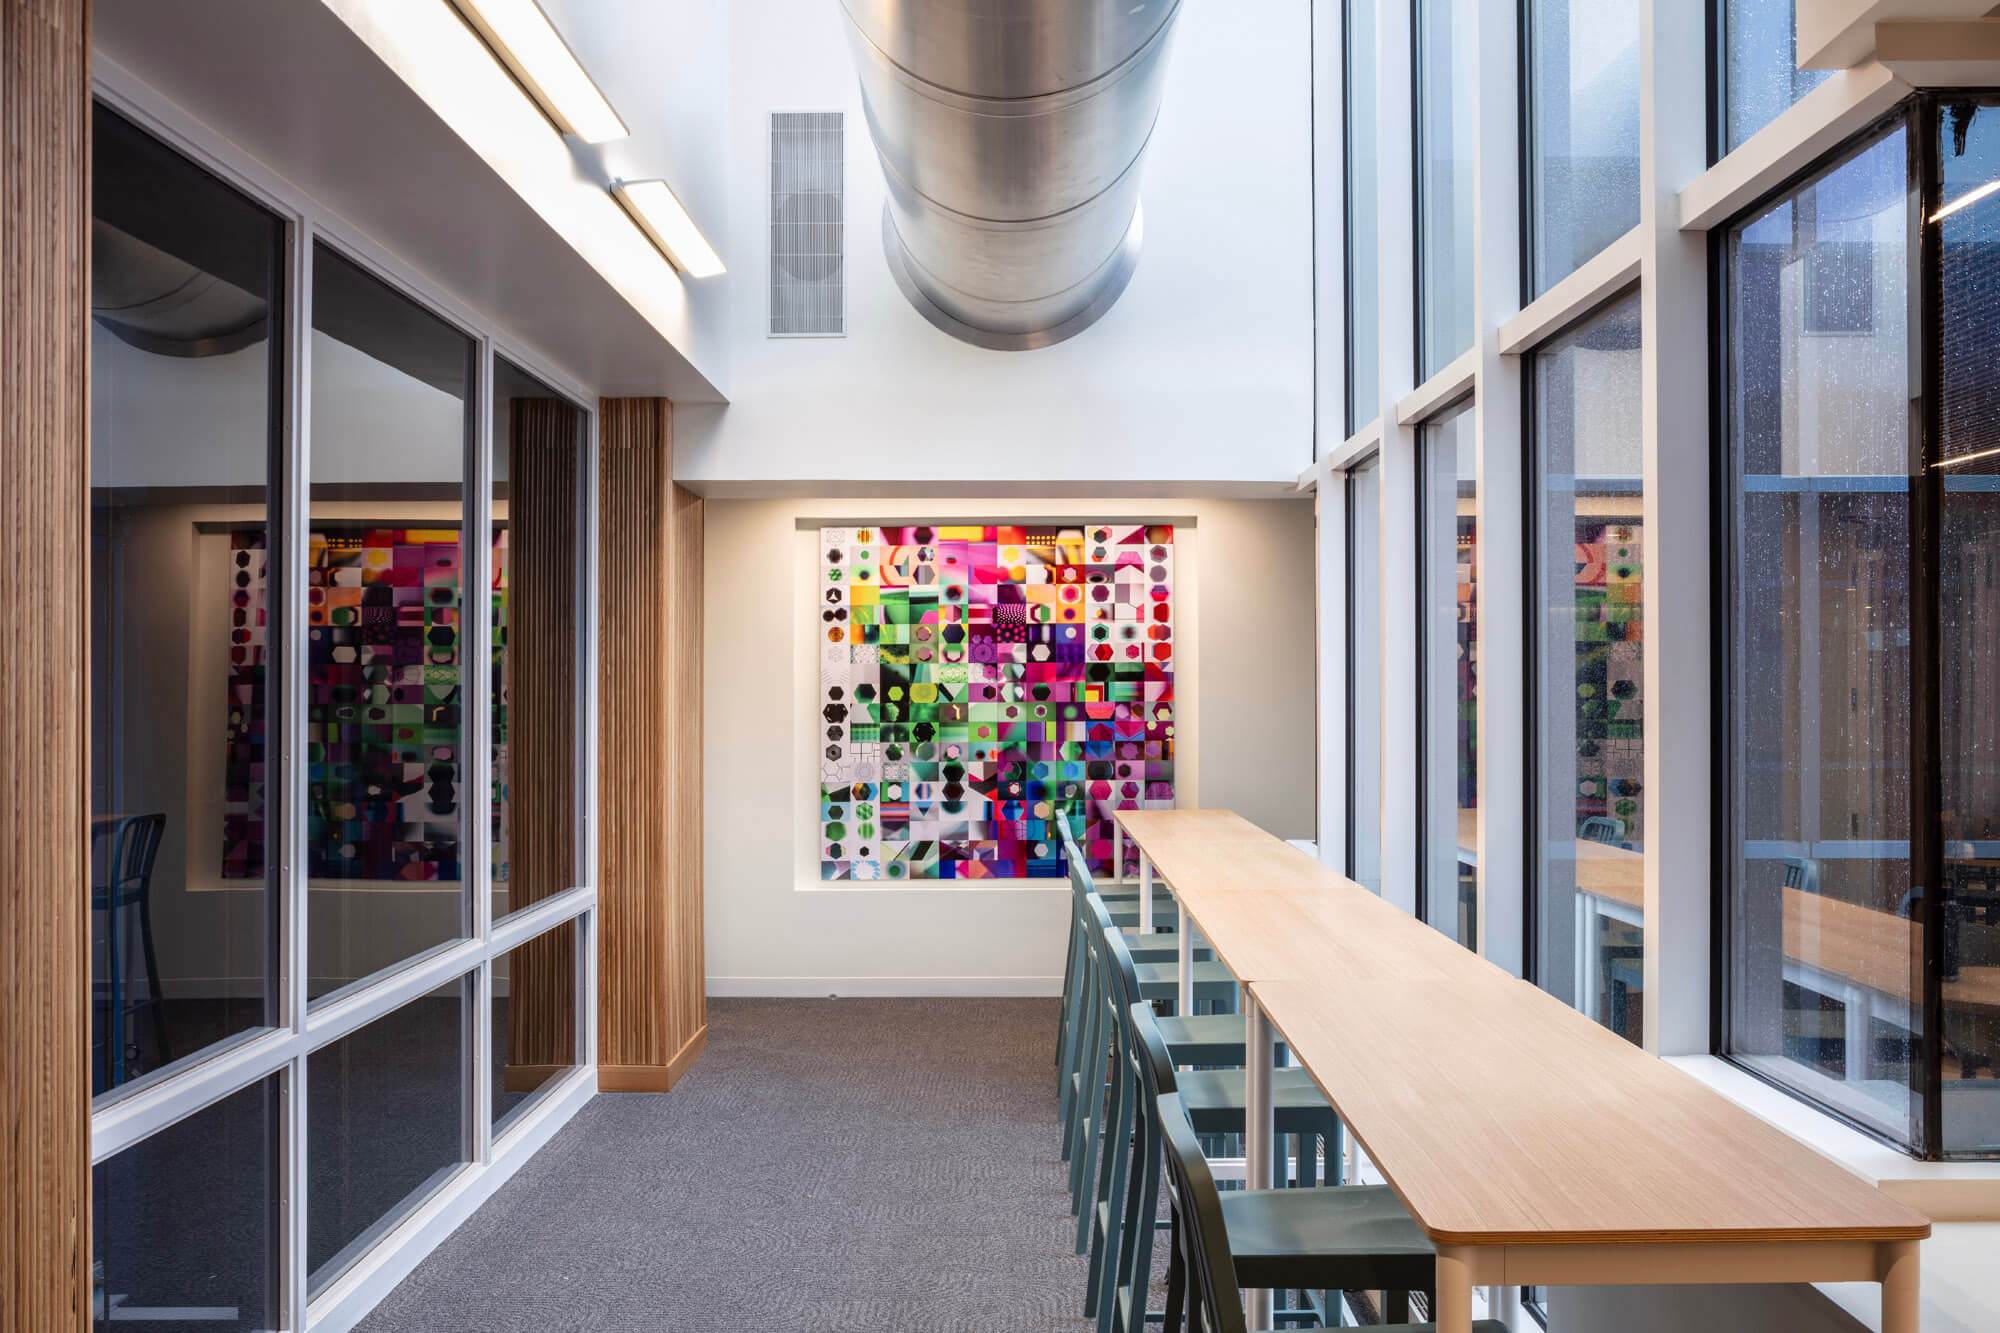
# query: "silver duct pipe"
1011, 133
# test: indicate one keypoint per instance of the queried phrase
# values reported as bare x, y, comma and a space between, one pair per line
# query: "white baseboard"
823, 987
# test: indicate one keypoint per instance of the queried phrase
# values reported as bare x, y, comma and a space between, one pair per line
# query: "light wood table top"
1501, 1116
1878, 950
1615, 873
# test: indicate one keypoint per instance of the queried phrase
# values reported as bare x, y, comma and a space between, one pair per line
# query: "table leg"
1257, 1127
1593, 958
1184, 997
1145, 894
1582, 969
1117, 851
1454, 1290
1854, 1033
1902, 1306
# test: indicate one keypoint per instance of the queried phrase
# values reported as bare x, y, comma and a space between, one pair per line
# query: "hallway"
840, 1166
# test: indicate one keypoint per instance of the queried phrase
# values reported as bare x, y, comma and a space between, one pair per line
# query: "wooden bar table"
1533, 1146
1254, 899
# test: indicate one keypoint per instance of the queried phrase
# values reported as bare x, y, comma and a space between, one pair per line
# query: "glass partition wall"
1860, 453
340, 891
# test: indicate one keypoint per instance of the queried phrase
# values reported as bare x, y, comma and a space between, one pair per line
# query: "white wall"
660, 64
1203, 371
1244, 579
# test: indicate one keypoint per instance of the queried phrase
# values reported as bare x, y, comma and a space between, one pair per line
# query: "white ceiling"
287, 82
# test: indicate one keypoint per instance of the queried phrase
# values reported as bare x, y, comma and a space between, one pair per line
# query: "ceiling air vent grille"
808, 231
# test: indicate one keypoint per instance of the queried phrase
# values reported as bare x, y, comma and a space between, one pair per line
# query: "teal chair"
1161, 959
1087, 1028
1140, 1057
1210, 1266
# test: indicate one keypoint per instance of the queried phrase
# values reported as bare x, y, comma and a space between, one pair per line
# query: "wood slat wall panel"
540, 676
44, 719
651, 1016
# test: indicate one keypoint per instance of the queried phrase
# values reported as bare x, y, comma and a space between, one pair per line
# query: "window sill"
1943, 1191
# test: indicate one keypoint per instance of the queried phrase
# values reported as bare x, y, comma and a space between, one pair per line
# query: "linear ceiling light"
1964, 200
529, 45
660, 215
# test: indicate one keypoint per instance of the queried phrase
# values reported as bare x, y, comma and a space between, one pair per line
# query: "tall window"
1446, 74
1965, 453
1583, 132
1758, 66
1448, 667
1589, 718
1824, 941
1364, 386
391, 415
1364, 674
185, 375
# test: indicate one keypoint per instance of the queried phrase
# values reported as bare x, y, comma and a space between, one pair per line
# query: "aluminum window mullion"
234, 1066
538, 920
331, 1021
292, 637
476, 712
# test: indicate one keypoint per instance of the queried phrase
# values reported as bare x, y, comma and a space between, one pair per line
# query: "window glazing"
1583, 132
1364, 380
1446, 70
1589, 725
1825, 941
1448, 658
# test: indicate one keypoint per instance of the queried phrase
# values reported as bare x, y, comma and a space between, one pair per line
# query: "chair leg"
114, 1019
1176, 1278
1142, 1206
1115, 1183
159, 1005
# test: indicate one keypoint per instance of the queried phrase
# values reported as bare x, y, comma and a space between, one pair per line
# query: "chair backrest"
1117, 957
1213, 1295
1802, 873
1155, 1064
1601, 828
132, 844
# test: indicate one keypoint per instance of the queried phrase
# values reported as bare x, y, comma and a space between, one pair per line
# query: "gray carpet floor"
839, 1166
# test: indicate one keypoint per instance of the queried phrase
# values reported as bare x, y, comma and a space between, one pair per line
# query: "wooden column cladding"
44, 719
652, 1018
539, 677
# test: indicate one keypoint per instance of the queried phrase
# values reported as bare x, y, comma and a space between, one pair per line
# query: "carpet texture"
839, 1166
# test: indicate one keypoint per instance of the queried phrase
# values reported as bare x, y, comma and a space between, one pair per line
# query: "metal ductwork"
1011, 133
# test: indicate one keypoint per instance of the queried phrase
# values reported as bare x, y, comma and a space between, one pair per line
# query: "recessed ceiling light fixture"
529, 45
661, 216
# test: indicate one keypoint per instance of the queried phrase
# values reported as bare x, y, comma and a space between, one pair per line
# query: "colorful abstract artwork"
1610, 722
977, 683
384, 704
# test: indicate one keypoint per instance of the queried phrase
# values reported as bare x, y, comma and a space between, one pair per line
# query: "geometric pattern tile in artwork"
384, 707
977, 682
1610, 648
